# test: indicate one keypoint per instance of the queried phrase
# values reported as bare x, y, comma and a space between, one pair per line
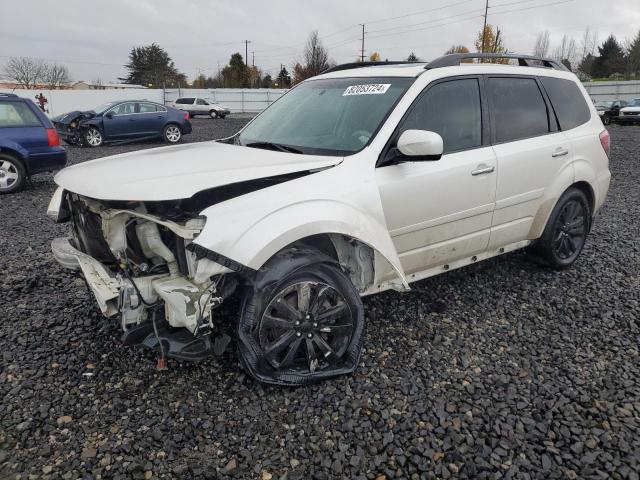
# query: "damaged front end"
136, 261
72, 126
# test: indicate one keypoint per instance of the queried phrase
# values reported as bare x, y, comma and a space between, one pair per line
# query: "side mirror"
420, 145
109, 115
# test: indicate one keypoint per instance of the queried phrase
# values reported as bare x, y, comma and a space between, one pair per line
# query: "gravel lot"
501, 370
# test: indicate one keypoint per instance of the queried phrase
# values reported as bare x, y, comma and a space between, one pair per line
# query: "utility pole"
246, 52
362, 50
484, 28
253, 59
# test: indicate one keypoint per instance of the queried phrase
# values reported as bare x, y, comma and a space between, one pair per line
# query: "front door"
440, 211
122, 122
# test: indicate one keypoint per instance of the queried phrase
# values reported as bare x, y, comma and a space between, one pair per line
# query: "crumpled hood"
176, 172
68, 117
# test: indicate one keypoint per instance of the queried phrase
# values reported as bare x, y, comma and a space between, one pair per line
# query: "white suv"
200, 106
363, 179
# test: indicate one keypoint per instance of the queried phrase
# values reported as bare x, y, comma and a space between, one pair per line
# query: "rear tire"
301, 321
172, 133
606, 120
12, 174
566, 231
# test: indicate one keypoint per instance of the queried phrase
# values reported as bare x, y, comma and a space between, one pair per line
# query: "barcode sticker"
368, 89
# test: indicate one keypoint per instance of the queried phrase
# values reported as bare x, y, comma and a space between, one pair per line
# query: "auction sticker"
368, 89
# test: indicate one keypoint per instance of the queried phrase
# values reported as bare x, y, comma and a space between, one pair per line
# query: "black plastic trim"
202, 252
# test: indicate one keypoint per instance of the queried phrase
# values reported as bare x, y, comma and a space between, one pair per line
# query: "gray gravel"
501, 370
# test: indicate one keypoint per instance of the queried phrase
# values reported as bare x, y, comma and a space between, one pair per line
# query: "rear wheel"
301, 322
606, 120
172, 133
566, 231
12, 174
93, 137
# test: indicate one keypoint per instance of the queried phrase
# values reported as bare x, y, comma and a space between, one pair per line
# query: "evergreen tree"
633, 57
152, 66
610, 60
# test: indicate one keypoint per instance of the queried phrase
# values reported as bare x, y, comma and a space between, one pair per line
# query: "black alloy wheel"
307, 326
566, 232
301, 320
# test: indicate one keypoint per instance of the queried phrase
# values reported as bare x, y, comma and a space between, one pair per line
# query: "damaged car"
360, 180
122, 121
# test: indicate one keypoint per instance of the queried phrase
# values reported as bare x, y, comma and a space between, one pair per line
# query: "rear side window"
147, 108
185, 101
17, 114
568, 103
518, 108
453, 110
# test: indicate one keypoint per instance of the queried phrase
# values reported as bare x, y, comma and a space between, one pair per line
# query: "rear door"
530, 149
151, 118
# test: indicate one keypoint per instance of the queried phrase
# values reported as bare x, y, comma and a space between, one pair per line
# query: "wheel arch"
360, 243
18, 153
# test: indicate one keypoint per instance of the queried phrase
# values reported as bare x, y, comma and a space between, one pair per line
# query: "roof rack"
349, 66
8, 95
455, 59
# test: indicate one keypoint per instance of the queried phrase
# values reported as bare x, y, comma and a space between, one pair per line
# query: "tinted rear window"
568, 102
518, 108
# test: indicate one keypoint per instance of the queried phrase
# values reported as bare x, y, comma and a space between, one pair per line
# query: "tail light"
52, 137
605, 141
186, 115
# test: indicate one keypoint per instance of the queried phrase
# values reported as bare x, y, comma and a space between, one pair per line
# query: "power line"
419, 13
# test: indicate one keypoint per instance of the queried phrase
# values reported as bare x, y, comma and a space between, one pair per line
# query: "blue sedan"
124, 120
28, 143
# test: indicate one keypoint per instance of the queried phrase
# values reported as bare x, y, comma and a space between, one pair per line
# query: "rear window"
518, 108
568, 102
17, 114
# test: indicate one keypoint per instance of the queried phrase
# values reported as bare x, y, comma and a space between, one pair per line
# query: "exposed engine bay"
135, 260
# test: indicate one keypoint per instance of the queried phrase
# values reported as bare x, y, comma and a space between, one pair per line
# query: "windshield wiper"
273, 146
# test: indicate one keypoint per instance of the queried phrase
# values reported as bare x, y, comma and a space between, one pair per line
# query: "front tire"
213, 114
93, 137
12, 174
301, 321
172, 133
566, 231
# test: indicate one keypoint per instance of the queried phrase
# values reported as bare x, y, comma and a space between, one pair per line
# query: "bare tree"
541, 48
588, 43
316, 56
566, 51
25, 71
55, 75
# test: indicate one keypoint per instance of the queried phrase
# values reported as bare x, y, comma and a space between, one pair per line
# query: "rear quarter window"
568, 102
17, 114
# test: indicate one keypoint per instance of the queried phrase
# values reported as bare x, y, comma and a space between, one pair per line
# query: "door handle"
482, 169
560, 152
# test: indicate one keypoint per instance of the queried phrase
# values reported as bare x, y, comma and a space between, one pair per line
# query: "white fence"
623, 90
61, 101
238, 100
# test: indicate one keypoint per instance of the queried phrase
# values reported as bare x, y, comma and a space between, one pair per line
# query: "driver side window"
124, 109
451, 109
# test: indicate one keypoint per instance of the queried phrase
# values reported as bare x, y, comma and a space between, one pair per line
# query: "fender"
250, 229
565, 178
13, 147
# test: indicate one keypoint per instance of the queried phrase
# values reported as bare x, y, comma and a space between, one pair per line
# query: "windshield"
326, 117
603, 104
104, 107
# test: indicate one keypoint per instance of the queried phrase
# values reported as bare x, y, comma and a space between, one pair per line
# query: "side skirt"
446, 267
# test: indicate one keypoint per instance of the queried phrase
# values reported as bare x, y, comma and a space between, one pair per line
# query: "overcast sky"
94, 38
